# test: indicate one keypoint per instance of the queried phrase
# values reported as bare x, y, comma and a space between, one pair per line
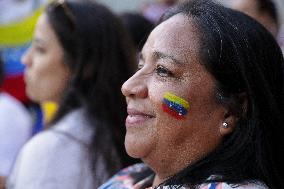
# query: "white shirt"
58, 158
15, 130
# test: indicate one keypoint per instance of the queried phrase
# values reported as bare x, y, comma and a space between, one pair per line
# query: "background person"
79, 57
264, 11
138, 28
154, 11
205, 106
17, 22
15, 130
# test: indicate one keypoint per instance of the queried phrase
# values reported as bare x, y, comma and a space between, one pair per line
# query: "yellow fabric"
49, 109
21, 32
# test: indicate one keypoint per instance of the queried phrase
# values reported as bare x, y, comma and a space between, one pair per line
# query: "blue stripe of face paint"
176, 107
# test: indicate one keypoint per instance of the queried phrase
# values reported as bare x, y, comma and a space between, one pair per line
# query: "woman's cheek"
175, 106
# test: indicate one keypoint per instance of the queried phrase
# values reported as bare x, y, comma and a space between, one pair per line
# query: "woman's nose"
135, 86
26, 57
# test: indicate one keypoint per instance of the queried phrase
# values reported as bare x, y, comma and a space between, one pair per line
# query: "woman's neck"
157, 181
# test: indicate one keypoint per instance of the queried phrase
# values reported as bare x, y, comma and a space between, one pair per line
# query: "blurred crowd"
36, 97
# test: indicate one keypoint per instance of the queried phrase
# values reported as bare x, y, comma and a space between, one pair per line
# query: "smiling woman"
205, 106
171, 68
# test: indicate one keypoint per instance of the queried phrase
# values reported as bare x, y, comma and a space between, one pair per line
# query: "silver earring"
225, 125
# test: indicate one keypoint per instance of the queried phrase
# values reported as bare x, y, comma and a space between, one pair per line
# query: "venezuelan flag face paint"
175, 106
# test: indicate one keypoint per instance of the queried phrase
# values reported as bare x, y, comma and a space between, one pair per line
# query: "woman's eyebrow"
38, 41
161, 55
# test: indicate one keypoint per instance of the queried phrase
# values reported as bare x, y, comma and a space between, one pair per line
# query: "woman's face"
46, 74
170, 70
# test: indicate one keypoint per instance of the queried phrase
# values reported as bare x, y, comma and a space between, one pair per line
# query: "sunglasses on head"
66, 10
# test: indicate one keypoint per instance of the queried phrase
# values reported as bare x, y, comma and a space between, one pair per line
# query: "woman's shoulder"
49, 146
48, 156
141, 175
127, 177
70, 130
40, 150
42, 142
75, 127
223, 185
52, 147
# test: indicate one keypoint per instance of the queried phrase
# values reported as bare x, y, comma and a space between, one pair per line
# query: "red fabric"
15, 86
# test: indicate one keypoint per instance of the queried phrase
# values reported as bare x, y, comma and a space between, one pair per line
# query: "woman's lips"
136, 117
26, 78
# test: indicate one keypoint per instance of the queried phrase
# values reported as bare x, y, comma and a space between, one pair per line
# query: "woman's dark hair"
138, 27
247, 64
100, 57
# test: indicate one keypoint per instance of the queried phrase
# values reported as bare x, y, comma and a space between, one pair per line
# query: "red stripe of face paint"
172, 112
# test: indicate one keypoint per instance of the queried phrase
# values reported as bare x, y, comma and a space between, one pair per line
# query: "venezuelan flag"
175, 106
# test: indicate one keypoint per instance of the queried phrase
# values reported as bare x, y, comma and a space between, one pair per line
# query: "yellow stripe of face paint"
176, 99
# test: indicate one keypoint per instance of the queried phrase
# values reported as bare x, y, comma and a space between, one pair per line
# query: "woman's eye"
38, 48
163, 72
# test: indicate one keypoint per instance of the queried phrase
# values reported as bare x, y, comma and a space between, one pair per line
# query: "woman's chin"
33, 97
131, 148
135, 147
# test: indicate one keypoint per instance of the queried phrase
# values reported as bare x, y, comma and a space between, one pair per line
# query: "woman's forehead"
176, 36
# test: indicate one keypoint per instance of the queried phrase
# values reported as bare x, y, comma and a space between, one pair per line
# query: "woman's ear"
236, 108
228, 125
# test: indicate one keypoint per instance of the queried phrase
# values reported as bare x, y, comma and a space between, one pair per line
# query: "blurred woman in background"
79, 58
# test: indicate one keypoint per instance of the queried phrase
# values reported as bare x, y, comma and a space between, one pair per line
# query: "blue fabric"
38, 116
12, 59
213, 186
